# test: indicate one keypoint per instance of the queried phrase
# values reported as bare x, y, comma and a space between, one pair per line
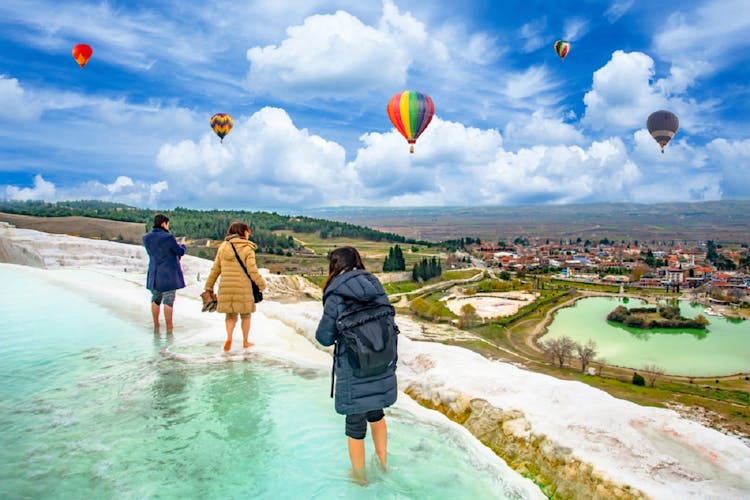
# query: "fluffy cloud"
732, 159
622, 97
266, 161
15, 103
528, 130
337, 56
42, 190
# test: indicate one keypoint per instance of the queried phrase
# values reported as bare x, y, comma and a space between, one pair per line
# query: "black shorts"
356, 424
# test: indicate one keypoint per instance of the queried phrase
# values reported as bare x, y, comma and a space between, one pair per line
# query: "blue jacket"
354, 395
164, 271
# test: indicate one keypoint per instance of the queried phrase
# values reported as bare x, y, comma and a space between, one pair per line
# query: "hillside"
87, 227
206, 224
724, 221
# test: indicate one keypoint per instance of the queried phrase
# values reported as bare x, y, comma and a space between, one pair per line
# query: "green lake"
723, 348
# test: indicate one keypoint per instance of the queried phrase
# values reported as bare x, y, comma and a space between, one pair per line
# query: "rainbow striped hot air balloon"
222, 124
410, 112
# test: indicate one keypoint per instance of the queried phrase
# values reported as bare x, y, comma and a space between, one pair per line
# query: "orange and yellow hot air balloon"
222, 124
82, 54
410, 112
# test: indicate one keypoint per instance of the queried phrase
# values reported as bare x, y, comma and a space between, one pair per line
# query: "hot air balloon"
562, 48
410, 112
662, 125
82, 54
222, 124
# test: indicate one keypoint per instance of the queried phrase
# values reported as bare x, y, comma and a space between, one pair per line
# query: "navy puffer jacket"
353, 394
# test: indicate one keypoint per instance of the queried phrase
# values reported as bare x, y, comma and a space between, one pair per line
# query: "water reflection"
645, 333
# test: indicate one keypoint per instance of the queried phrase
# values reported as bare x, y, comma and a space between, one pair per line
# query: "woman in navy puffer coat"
361, 399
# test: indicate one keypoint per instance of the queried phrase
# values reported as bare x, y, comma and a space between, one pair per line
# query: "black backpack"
368, 336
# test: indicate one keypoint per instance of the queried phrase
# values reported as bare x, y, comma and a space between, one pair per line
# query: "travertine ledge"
551, 467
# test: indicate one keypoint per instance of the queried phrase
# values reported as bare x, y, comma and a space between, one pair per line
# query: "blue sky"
307, 83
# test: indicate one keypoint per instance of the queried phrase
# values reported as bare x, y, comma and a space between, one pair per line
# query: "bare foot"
245, 345
227, 345
156, 329
359, 477
169, 331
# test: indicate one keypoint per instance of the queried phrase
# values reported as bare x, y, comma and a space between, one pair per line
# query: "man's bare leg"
155, 316
168, 318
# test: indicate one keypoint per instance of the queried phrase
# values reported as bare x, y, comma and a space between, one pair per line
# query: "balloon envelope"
82, 54
662, 125
562, 48
222, 124
410, 112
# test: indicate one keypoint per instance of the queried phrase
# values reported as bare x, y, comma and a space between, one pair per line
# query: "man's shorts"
356, 424
167, 298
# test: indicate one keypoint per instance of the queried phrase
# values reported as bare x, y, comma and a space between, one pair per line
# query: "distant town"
722, 272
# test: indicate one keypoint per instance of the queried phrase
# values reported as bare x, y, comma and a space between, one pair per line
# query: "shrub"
638, 380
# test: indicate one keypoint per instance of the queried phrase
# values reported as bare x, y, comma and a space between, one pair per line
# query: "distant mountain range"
722, 221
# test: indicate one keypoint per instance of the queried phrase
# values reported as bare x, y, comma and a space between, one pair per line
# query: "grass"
370, 249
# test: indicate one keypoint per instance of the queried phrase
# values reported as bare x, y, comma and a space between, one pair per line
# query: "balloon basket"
411, 149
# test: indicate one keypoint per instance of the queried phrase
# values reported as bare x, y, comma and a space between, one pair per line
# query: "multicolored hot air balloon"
222, 124
82, 54
662, 125
562, 48
410, 112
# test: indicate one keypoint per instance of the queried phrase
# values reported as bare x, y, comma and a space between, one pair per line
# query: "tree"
586, 353
559, 349
468, 317
652, 372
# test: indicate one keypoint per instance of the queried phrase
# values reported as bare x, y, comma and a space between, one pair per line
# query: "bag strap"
240, 261
333, 367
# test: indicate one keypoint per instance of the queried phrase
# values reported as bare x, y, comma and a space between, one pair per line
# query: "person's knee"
356, 426
168, 298
375, 416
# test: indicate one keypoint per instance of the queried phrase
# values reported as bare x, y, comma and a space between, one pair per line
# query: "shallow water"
93, 407
722, 349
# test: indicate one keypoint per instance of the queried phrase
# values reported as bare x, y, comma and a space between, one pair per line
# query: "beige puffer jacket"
235, 294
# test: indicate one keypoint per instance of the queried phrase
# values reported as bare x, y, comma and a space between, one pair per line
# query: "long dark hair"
342, 259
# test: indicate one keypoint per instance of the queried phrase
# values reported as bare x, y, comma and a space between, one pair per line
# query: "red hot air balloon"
82, 54
662, 125
410, 112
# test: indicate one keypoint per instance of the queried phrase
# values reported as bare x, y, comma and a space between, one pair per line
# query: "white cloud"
732, 159
622, 96
265, 161
533, 34
575, 28
337, 56
617, 10
15, 103
700, 42
42, 190
528, 130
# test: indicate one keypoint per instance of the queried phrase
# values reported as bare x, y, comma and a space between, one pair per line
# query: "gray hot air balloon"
662, 125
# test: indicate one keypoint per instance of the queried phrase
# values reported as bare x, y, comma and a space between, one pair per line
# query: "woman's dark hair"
238, 228
160, 219
342, 259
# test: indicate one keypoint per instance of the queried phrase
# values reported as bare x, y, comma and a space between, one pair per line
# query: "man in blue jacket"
164, 276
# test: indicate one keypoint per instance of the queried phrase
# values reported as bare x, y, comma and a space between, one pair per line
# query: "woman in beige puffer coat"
235, 292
